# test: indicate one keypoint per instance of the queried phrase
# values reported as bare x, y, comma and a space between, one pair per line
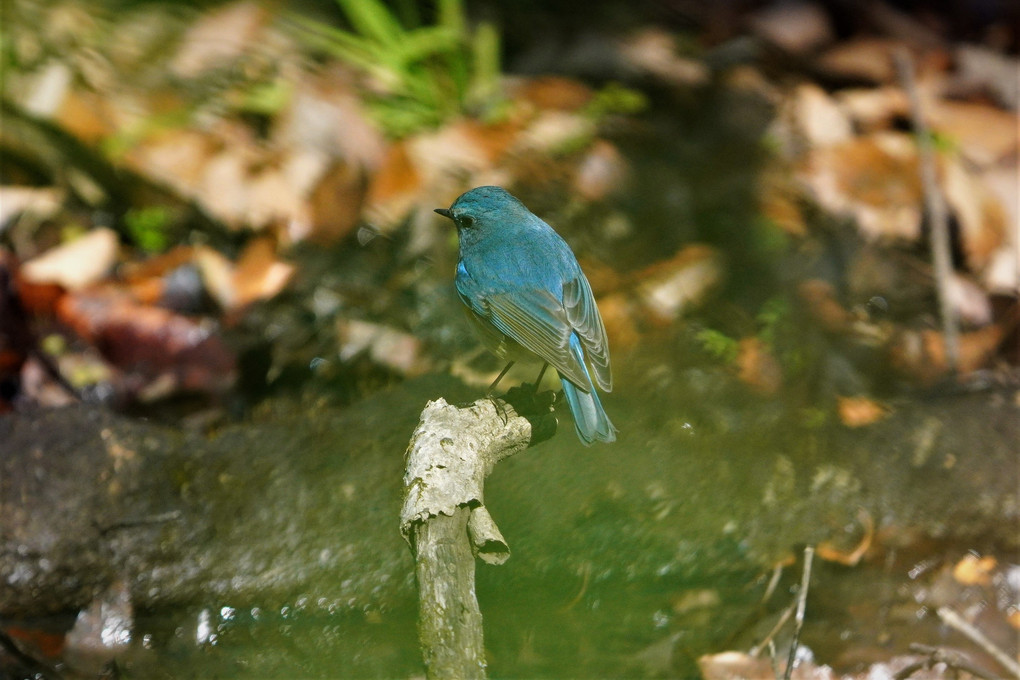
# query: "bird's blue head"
479, 210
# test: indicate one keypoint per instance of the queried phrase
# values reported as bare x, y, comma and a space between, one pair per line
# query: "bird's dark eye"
466, 221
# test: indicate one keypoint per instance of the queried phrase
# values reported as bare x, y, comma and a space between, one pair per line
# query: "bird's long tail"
590, 419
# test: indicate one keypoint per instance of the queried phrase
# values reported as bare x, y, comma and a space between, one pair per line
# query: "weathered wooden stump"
445, 522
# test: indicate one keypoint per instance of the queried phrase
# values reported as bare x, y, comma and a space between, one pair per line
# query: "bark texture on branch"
445, 523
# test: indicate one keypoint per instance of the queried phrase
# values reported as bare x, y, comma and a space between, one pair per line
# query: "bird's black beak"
445, 212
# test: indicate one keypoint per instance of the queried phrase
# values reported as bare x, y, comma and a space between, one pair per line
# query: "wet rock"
307, 501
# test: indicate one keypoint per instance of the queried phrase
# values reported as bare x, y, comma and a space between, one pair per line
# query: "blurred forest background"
225, 298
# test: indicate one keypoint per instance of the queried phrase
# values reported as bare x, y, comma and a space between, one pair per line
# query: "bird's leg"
492, 387
538, 380
499, 377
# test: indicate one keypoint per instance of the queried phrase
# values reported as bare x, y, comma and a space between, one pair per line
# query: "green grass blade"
333, 40
373, 20
451, 16
485, 50
424, 43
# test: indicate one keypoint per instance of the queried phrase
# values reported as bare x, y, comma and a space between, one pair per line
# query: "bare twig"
772, 658
935, 655
805, 581
777, 573
783, 618
958, 623
936, 207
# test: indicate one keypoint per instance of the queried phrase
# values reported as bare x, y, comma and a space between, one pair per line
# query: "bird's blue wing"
533, 318
583, 316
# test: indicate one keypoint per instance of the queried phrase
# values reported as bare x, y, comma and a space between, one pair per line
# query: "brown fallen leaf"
757, 367
797, 27
549, 132
985, 134
820, 297
829, 551
217, 275
860, 411
150, 342
259, 273
874, 108
87, 115
975, 571
873, 179
601, 172
1002, 275
223, 188
326, 117
39, 202
157, 265
862, 59
737, 665
394, 188
274, 201
780, 202
204, 47
461, 146
819, 117
554, 92
146, 279
175, 157
75, 264
335, 204
48, 644
969, 302
397, 350
670, 287
981, 69
978, 211
921, 355
654, 51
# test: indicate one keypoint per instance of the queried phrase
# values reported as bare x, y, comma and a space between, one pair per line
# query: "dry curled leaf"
860, 411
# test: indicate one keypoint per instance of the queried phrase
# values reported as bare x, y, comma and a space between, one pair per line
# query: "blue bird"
529, 300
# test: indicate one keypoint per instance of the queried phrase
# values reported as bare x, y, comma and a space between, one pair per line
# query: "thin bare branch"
936, 208
958, 623
805, 581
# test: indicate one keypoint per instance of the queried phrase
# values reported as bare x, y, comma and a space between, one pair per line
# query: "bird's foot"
528, 401
501, 407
